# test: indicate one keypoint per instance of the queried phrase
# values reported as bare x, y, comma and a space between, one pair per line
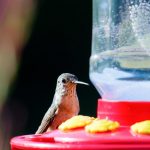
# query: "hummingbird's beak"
80, 82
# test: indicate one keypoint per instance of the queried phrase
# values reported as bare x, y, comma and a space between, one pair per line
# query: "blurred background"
39, 40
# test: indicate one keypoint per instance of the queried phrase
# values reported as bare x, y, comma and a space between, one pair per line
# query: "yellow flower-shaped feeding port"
102, 125
142, 127
76, 122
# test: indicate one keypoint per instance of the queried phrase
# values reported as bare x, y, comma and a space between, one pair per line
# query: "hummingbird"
65, 103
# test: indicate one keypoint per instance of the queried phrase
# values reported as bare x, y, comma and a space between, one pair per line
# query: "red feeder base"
126, 113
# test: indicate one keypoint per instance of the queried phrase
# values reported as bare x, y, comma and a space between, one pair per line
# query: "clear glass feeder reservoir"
120, 59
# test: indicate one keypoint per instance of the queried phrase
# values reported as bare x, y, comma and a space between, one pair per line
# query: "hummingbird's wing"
47, 119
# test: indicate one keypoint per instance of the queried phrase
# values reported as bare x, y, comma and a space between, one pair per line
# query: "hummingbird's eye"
64, 80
